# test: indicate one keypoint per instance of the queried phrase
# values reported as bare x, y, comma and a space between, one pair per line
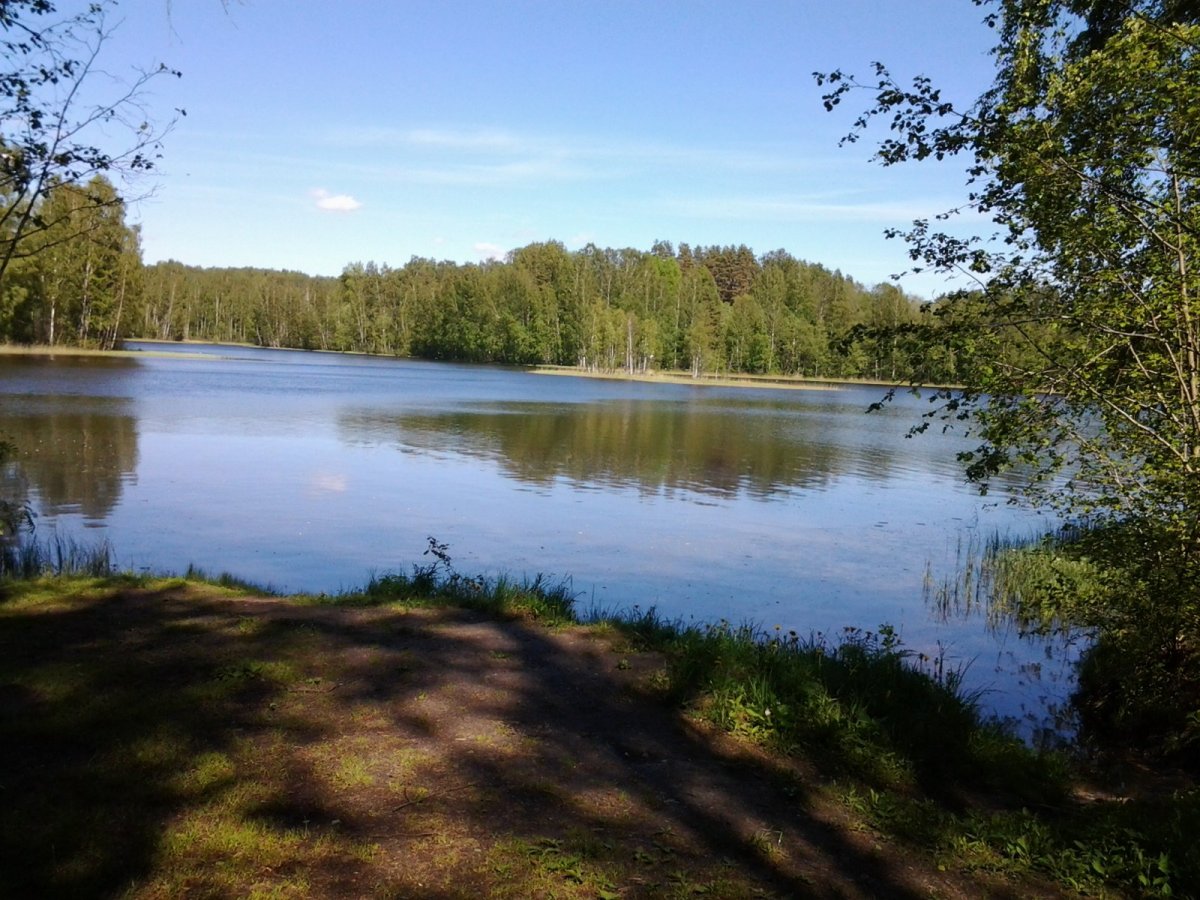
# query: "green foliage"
604, 310
59, 111
1142, 847
79, 276
1126, 587
56, 557
914, 760
1080, 346
864, 707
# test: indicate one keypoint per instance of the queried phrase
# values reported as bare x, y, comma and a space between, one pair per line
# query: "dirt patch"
181, 741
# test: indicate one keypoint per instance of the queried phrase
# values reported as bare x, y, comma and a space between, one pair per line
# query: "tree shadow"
189, 742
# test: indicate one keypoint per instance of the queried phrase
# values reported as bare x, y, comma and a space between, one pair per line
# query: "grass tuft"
228, 581
437, 583
55, 556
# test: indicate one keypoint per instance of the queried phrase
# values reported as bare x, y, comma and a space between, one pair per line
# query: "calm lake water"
310, 471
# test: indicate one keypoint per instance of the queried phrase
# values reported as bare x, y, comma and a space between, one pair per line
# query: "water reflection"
73, 461
1040, 683
708, 448
307, 471
65, 375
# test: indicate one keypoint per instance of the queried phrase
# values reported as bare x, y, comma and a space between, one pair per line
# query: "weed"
437, 582
228, 581
56, 556
351, 772
768, 843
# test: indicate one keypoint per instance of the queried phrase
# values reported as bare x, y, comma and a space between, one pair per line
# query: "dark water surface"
309, 471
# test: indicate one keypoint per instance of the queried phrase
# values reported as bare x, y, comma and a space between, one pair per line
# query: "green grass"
861, 705
1130, 592
58, 556
894, 730
913, 758
539, 598
905, 748
137, 770
229, 581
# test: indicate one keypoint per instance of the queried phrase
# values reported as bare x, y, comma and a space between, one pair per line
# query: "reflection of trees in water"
74, 461
709, 449
14, 487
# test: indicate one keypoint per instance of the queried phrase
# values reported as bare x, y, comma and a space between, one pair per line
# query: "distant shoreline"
742, 380
44, 350
775, 382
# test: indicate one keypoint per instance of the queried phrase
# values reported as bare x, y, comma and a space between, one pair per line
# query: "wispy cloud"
488, 250
334, 202
458, 140
481, 140
488, 156
527, 171
774, 208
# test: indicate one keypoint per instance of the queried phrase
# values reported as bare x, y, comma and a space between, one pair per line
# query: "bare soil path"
186, 741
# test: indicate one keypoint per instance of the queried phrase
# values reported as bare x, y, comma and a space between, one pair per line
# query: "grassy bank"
64, 350
899, 742
439, 735
737, 379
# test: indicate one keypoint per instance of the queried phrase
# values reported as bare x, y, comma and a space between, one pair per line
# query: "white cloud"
461, 140
483, 140
802, 209
486, 250
335, 202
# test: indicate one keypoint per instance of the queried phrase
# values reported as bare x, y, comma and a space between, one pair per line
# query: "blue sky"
323, 133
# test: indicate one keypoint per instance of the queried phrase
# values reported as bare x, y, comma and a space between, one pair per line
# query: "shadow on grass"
175, 740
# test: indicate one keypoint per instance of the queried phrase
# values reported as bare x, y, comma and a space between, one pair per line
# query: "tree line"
78, 276
704, 309
79, 280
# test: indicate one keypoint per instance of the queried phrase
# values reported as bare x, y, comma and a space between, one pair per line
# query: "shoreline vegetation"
703, 310
71, 350
777, 382
780, 382
490, 735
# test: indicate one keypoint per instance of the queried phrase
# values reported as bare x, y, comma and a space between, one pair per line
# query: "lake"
310, 471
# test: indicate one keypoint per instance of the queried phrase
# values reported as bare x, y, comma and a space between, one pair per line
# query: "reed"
56, 556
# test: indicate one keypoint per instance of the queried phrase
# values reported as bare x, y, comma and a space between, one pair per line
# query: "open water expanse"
308, 472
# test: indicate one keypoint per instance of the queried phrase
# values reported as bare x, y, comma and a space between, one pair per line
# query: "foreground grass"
164, 738
909, 754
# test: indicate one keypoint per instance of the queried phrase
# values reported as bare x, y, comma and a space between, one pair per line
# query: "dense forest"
702, 309
708, 309
76, 277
